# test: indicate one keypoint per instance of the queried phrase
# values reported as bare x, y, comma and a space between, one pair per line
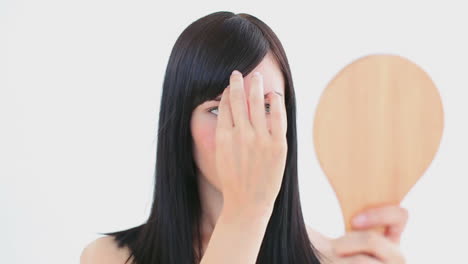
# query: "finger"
368, 242
278, 116
394, 232
257, 104
238, 101
393, 217
224, 116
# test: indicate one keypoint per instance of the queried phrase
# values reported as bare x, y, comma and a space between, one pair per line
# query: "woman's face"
204, 117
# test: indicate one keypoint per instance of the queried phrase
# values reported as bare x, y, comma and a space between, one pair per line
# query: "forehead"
272, 77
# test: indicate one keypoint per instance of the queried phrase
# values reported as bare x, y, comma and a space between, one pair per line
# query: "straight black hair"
199, 66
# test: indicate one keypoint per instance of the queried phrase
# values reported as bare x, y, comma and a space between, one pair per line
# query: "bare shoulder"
104, 250
320, 241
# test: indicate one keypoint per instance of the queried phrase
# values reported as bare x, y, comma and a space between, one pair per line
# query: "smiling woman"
188, 196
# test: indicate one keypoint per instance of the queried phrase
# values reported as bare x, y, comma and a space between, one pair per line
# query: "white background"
80, 84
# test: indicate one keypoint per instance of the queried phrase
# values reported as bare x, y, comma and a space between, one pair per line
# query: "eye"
216, 108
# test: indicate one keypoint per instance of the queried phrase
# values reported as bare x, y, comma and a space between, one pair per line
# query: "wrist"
249, 211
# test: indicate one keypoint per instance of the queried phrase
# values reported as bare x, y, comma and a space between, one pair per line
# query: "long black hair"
199, 66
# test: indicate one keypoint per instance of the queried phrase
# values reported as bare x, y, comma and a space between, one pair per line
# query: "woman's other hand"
250, 156
365, 246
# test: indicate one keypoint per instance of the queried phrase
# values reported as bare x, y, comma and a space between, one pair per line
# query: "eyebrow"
217, 99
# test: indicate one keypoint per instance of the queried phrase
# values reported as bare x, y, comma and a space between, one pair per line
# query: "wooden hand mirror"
377, 127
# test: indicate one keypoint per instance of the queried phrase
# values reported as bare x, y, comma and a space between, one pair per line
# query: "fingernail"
256, 74
235, 72
360, 220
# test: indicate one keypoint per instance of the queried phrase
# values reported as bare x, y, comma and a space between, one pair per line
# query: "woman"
226, 171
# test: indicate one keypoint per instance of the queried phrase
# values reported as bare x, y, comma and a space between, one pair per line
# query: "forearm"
237, 236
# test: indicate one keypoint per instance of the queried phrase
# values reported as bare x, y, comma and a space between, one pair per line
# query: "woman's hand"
250, 157
250, 162
368, 247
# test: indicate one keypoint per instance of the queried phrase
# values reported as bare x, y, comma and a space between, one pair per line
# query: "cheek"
204, 143
204, 135
203, 129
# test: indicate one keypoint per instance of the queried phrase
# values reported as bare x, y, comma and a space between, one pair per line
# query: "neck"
211, 201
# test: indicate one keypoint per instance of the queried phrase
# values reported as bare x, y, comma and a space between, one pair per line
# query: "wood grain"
377, 127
